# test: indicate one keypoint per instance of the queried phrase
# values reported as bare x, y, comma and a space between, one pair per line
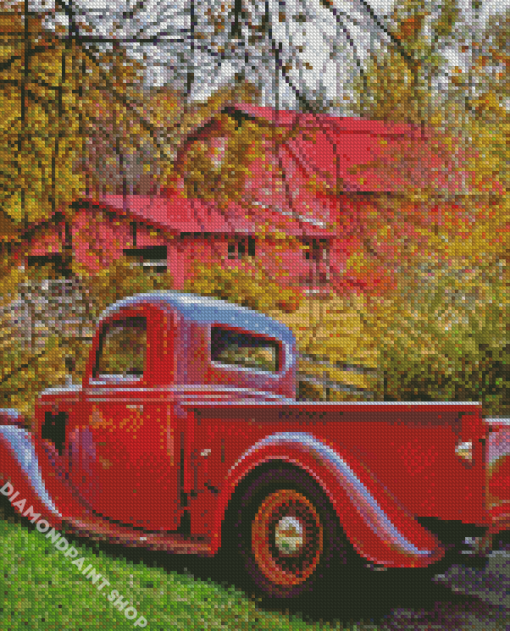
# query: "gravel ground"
484, 604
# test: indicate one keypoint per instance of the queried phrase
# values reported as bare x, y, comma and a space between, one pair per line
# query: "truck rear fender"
30, 478
378, 527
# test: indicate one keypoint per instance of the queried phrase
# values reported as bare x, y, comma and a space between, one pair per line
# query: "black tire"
7, 512
502, 540
284, 535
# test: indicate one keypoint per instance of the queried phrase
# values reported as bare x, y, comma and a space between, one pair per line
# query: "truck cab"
119, 429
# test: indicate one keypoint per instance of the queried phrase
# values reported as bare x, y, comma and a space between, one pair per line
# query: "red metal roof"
367, 155
178, 214
345, 123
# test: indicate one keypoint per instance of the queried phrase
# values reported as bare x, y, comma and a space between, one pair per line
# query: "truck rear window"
243, 349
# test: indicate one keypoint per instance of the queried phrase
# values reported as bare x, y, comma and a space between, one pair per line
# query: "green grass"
41, 589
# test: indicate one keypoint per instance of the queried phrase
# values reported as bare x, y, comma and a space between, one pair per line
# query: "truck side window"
122, 349
242, 349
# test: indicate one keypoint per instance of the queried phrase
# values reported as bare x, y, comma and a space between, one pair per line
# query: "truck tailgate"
498, 472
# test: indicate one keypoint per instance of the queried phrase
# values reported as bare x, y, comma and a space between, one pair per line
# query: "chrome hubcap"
289, 535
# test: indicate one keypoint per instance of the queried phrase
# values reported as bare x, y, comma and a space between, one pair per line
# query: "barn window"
316, 249
151, 258
55, 265
241, 247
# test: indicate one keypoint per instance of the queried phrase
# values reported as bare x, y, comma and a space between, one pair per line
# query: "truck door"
121, 457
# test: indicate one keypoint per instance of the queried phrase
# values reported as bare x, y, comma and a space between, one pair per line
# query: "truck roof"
206, 309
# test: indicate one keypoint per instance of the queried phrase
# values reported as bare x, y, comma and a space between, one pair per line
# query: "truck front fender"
379, 528
30, 478
11, 416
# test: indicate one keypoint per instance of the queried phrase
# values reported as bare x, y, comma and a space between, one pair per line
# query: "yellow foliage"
119, 280
392, 93
43, 138
249, 287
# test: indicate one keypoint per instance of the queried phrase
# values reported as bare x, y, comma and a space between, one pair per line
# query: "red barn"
316, 186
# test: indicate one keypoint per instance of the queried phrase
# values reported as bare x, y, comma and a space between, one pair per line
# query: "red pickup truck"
185, 436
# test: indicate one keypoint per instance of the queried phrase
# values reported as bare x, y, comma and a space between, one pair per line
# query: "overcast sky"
335, 76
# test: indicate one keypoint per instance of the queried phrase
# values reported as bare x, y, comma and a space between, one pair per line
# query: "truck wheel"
285, 534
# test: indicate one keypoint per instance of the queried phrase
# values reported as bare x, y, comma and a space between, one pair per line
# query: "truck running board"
98, 530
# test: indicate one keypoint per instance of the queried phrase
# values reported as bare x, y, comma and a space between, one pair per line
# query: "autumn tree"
51, 85
442, 332
52, 88
401, 82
